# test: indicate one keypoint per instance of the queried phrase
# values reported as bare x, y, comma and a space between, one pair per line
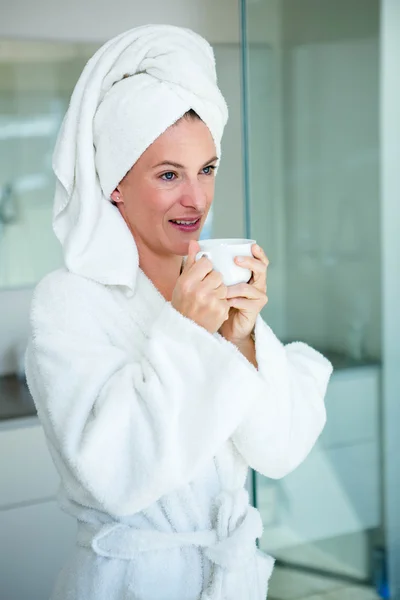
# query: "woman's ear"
116, 196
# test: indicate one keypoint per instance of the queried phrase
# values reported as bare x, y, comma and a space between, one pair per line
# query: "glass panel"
314, 205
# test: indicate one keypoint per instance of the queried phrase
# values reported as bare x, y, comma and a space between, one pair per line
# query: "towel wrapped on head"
135, 87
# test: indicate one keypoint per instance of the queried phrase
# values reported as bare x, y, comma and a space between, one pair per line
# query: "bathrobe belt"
230, 545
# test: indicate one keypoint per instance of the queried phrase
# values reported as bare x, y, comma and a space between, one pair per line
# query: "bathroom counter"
342, 361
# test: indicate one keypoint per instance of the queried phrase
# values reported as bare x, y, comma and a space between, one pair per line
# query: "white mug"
222, 253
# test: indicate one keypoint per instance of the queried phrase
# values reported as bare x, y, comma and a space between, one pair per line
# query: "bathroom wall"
97, 20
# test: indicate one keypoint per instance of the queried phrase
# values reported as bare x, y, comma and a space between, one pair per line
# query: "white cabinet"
35, 535
27, 473
35, 541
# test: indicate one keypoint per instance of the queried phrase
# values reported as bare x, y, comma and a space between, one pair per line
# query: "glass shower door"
311, 103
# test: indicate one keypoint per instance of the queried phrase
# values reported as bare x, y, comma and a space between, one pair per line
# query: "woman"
157, 386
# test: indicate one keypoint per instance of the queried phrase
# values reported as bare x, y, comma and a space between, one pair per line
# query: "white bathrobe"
152, 423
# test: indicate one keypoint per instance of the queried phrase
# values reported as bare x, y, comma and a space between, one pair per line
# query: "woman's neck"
163, 271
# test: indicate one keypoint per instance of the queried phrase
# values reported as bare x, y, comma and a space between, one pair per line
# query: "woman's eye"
208, 170
169, 176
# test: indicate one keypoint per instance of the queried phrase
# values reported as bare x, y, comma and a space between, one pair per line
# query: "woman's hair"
191, 114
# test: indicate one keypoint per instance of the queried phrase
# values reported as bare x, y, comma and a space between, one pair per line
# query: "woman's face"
166, 196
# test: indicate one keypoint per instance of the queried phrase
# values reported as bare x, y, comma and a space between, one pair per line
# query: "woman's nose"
194, 196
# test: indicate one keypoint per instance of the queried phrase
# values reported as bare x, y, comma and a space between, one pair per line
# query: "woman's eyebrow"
213, 159
171, 163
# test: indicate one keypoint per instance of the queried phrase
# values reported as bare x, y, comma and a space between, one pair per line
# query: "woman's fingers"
194, 270
213, 280
259, 253
254, 264
244, 290
197, 271
246, 304
258, 264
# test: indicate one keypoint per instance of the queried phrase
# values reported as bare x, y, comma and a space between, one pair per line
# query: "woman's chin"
182, 248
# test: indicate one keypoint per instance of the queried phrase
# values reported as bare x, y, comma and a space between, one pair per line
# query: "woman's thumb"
193, 249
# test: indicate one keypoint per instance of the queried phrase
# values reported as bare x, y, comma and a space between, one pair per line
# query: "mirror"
36, 82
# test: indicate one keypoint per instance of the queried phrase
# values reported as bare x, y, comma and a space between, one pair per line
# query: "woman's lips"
186, 225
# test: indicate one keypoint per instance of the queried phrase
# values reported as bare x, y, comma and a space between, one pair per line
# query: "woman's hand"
199, 293
246, 299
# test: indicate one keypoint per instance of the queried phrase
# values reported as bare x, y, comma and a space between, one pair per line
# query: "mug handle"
200, 255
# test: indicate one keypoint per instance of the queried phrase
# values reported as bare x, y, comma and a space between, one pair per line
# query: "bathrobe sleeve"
129, 430
284, 423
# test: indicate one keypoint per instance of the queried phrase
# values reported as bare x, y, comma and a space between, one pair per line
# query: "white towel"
134, 87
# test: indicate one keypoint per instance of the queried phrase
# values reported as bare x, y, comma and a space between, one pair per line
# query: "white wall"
98, 20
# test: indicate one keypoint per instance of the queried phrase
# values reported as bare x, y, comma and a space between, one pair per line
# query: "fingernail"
239, 259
